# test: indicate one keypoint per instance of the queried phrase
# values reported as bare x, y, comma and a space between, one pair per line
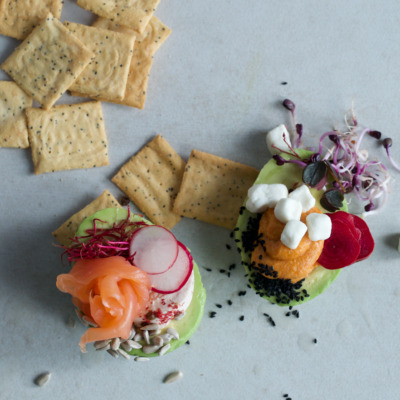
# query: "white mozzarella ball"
275, 138
304, 196
292, 233
287, 210
319, 226
262, 196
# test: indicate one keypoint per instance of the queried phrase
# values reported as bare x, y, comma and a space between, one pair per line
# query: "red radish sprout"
101, 243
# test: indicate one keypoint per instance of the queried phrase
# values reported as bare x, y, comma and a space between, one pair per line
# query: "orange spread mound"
110, 292
291, 264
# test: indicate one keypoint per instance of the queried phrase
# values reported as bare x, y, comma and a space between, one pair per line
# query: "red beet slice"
366, 240
342, 248
348, 219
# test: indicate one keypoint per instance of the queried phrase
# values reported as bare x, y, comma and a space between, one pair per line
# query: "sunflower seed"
146, 337
132, 334
138, 337
100, 344
173, 377
115, 343
133, 344
150, 327
88, 322
150, 349
166, 337
157, 341
125, 346
112, 353
141, 359
173, 332
106, 347
164, 349
124, 354
154, 332
42, 379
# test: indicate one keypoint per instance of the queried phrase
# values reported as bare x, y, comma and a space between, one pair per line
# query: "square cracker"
67, 137
19, 17
106, 74
48, 61
151, 179
134, 14
13, 129
213, 189
146, 46
67, 230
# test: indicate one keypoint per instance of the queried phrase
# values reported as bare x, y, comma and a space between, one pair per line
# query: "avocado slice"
187, 325
320, 278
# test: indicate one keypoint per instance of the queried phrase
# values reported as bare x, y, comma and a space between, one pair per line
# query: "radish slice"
154, 249
175, 278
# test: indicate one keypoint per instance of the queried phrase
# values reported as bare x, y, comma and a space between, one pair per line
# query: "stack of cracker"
109, 61
166, 188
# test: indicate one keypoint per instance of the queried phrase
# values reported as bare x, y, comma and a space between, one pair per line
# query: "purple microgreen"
314, 173
299, 131
375, 134
387, 143
289, 105
369, 207
315, 157
280, 161
323, 137
332, 200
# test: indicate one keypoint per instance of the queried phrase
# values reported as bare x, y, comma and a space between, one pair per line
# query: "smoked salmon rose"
109, 291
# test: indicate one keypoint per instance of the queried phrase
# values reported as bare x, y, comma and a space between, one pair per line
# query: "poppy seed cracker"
151, 179
67, 230
47, 62
146, 46
13, 129
67, 137
134, 14
213, 189
19, 17
106, 74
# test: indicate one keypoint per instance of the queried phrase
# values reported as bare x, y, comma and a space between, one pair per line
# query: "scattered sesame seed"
228, 246
241, 318
212, 314
242, 293
222, 271
229, 302
315, 340
218, 305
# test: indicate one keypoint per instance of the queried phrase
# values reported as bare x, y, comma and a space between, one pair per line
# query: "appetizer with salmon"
295, 232
134, 285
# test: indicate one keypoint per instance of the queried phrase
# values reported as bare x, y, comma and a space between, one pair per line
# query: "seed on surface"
132, 334
150, 327
173, 377
166, 337
315, 340
115, 343
101, 344
242, 293
229, 302
138, 337
146, 337
157, 341
179, 316
141, 359
151, 348
133, 344
164, 349
42, 379
212, 314
123, 354
112, 353
173, 332
218, 305
241, 318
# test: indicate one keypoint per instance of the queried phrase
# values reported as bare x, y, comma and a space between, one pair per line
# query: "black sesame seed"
229, 302
228, 246
315, 340
187, 342
218, 305
241, 318
222, 271
242, 293
212, 314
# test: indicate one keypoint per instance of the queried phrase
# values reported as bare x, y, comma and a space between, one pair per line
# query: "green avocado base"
288, 174
193, 315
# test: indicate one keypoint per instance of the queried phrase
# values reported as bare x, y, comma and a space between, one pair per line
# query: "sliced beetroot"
154, 249
174, 278
342, 248
348, 219
366, 240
